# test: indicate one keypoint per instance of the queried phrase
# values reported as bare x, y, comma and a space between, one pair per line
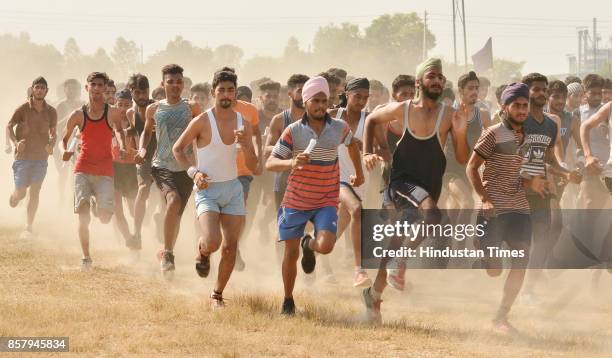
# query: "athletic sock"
375, 294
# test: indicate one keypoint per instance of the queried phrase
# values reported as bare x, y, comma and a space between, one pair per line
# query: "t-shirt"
33, 127
317, 184
248, 112
499, 146
600, 145
540, 137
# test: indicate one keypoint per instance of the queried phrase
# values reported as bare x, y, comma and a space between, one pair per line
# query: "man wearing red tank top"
93, 184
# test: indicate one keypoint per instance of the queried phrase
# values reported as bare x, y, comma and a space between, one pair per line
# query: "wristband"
192, 171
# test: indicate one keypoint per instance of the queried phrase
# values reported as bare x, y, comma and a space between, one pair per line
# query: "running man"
138, 85
418, 162
220, 205
542, 135
32, 131
110, 93
313, 184
124, 168
93, 172
351, 198
169, 117
504, 209
457, 184
593, 165
296, 111
593, 194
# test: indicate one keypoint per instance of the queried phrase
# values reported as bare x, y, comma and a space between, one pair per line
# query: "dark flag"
483, 59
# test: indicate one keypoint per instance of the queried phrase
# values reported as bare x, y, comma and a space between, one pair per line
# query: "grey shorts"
100, 187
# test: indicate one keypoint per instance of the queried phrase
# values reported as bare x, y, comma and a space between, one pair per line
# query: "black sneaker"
288, 307
308, 257
167, 262
239, 264
216, 301
202, 266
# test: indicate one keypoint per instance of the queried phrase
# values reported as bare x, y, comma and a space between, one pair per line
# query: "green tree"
125, 55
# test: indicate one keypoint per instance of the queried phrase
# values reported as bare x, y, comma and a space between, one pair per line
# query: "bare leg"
33, 203
232, 226
290, 258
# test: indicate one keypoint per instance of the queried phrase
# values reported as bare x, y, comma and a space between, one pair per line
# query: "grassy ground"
121, 309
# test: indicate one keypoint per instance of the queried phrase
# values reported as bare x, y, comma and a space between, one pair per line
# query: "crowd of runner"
316, 151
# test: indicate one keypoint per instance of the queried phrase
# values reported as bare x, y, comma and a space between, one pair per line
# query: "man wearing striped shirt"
314, 184
504, 209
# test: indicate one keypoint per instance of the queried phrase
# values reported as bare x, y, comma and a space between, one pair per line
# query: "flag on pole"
483, 59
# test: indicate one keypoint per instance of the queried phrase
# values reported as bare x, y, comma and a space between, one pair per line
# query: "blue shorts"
224, 197
292, 222
28, 172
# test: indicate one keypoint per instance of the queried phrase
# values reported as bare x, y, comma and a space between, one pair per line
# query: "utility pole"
579, 53
594, 44
464, 36
454, 32
425, 35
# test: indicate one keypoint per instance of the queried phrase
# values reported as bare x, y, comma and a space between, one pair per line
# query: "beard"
225, 103
431, 95
298, 103
271, 107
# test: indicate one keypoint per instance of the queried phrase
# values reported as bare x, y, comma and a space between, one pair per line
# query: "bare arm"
246, 142
147, 132
75, 120
485, 116
585, 129
475, 162
575, 128
117, 118
558, 151
381, 115
192, 132
274, 134
459, 134
355, 155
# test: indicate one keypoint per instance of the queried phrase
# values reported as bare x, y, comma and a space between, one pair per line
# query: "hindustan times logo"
414, 230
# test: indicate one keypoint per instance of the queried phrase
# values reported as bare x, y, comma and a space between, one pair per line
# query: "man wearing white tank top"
349, 210
219, 201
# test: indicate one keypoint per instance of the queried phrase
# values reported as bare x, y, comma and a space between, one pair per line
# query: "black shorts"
405, 195
508, 227
125, 180
168, 181
540, 210
143, 172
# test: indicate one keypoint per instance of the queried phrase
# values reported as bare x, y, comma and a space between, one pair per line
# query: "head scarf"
314, 86
427, 65
357, 83
574, 88
514, 91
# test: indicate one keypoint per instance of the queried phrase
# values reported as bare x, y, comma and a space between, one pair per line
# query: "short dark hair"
592, 80
111, 83
467, 77
376, 85
40, 80
498, 92
71, 81
138, 81
557, 87
172, 69
572, 79
269, 86
95, 75
402, 81
340, 73
200, 87
448, 93
484, 81
156, 92
224, 76
534, 77
228, 69
296, 79
330, 78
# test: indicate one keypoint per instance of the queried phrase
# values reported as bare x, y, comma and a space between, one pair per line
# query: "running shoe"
396, 271
308, 257
202, 265
372, 307
216, 301
167, 261
361, 279
86, 263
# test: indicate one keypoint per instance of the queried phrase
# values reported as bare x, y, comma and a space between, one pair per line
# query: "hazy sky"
541, 33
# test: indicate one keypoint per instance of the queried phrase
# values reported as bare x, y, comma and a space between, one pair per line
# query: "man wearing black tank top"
138, 85
418, 162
